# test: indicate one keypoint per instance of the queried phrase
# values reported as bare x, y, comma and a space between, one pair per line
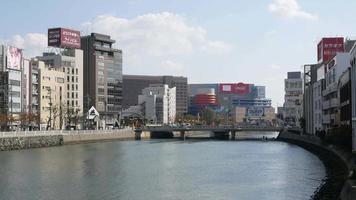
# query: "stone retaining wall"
337, 164
17, 143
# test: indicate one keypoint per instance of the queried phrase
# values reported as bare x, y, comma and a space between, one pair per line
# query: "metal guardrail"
58, 132
197, 128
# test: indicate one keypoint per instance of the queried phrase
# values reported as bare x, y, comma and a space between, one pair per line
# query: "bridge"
219, 131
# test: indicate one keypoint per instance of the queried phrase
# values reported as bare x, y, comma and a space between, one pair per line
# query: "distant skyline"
256, 41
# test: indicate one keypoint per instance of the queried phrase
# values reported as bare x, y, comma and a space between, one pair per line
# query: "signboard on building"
234, 88
64, 38
255, 112
328, 47
14, 58
92, 113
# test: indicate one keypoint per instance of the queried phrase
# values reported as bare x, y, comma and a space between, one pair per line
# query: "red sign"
233, 88
64, 38
328, 47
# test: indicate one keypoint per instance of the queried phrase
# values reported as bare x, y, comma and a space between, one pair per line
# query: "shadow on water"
162, 135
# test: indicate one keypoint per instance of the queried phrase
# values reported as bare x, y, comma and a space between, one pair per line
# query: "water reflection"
161, 169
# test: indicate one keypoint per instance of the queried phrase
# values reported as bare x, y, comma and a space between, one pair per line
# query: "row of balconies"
330, 89
331, 103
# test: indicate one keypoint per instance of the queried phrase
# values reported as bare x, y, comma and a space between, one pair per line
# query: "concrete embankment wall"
17, 143
101, 135
36, 139
337, 165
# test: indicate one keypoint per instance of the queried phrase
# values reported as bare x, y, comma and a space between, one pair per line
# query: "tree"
208, 116
72, 117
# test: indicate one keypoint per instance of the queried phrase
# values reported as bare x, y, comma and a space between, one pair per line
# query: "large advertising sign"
233, 88
14, 58
328, 47
64, 38
255, 112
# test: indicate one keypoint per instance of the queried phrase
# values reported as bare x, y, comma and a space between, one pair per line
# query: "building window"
76, 71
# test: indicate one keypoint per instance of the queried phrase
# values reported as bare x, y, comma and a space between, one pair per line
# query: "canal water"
162, 169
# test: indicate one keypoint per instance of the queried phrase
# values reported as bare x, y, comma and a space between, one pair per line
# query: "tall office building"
11, 63
102, 76
133, 85
293, 107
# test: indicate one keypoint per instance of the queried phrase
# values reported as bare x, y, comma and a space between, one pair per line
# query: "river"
162, 169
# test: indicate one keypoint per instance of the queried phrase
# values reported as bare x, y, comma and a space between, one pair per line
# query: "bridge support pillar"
233, 135
182, 135
138, 134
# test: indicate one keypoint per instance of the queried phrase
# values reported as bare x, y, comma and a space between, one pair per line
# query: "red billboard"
328, 47
64, 38
234, 88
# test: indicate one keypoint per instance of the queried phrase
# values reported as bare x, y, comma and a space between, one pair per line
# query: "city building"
353, 96
11, 64
312, 100
205, 98
231, 95
159, 102
334, 69
240, 102
30, 94
293, 108
102, 77
69, 61
53, 91
133, 85
344, 91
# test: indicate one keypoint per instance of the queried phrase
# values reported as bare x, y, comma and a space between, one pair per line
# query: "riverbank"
337, 163
26, 140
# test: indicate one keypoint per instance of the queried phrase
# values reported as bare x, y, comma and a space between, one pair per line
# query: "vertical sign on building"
14, 58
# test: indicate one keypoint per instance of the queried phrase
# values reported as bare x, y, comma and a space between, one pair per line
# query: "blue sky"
216, 41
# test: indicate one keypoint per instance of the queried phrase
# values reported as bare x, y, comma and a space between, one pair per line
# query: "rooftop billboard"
328, 47
64, 38
14, 58
235, 88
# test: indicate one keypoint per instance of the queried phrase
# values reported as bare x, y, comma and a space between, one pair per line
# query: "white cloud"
32, 43
274, 66
171, 66
290, 9
156, 34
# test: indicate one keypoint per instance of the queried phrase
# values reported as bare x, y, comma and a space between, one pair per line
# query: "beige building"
70, 62
52, 97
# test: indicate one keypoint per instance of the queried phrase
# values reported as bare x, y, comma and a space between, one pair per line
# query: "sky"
216, 41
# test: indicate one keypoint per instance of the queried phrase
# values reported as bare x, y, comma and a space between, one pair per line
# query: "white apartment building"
353, 95
293, 98
334, 68
159, 103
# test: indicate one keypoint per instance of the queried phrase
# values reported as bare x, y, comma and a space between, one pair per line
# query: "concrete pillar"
182, 135
138, 134
233, 135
